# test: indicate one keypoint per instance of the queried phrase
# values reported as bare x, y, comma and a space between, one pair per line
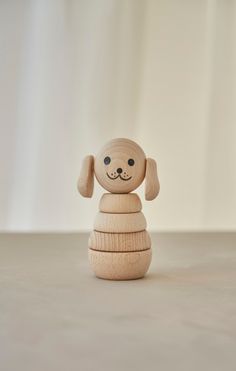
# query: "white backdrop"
75, 74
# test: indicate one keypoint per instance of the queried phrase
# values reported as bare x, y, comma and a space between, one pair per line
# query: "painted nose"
119, 170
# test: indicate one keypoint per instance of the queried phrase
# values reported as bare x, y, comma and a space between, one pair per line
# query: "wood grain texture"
120, 223
120, 265
120, 203
86, 179
120, 166
152, 185
118, 242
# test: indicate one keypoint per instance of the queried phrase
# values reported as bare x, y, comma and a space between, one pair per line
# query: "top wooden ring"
120, 203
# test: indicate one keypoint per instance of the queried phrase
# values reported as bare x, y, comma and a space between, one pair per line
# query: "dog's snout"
119, 170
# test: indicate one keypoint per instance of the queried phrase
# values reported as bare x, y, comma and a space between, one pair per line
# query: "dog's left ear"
86, 178
152, 185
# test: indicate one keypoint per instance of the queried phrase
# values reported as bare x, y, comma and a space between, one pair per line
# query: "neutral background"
74, 74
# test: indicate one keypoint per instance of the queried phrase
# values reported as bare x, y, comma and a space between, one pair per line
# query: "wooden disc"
120, 203
120, 265
120, 223
116, 242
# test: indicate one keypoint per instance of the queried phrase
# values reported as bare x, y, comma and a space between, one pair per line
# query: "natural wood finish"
120, 223
152, 185
120, 265
86, 179
120, 203
120, 151
120, 244
116, 242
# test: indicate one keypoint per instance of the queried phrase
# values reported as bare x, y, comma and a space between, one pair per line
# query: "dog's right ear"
86, 179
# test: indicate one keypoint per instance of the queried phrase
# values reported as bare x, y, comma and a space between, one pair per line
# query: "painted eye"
131, 162
107, 160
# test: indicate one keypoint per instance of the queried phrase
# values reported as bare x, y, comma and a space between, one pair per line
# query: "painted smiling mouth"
118, 176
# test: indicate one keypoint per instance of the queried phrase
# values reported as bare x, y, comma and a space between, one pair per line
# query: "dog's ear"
152, 185
86, 179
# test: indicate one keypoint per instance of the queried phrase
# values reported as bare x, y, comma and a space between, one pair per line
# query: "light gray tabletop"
55, 315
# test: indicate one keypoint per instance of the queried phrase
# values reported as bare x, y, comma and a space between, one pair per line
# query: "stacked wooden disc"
120, 246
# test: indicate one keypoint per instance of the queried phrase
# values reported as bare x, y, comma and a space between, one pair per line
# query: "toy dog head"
120, 167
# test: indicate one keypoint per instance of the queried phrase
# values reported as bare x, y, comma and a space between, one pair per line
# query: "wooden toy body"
120, 246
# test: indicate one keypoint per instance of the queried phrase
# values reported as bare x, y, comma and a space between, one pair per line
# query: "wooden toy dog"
120, 246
